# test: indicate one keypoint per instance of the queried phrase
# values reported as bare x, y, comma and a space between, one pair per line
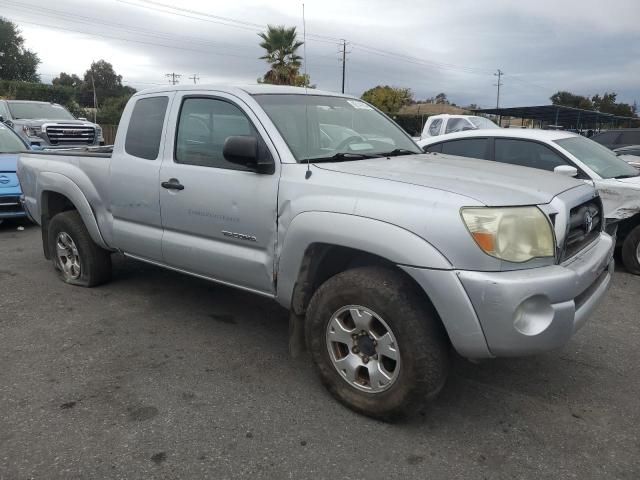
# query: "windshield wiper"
627, 176
398, 151
341, 157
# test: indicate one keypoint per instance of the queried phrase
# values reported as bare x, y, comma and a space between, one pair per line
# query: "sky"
542, 46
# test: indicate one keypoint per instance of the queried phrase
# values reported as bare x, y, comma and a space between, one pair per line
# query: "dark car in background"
616, 138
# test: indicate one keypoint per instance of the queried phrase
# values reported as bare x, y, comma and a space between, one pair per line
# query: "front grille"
585, 224
10, 204
71, 135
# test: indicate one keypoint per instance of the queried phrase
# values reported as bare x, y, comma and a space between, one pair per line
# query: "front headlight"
30, 131
515, 234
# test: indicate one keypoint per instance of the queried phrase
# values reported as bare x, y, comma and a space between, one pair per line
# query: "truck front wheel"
377, 343
631, 251
75, 255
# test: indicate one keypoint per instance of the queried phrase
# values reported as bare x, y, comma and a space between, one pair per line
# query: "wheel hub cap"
68, 256
363, 349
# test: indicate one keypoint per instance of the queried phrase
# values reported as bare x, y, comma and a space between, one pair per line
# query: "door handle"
172, 184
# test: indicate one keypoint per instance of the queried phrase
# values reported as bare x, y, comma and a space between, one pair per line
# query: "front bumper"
519, 312
11, 207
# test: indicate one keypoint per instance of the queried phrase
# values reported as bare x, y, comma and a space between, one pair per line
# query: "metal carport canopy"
555, 114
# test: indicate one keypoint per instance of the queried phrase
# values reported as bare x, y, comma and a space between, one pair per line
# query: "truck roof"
254, 89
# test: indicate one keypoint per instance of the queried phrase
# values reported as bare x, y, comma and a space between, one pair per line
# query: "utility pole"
174, 78
195, 78
95, 99
344, 61
498, 74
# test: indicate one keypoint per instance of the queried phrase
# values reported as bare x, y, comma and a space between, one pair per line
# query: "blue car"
10, 147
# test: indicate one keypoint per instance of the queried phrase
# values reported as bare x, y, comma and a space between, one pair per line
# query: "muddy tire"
75, 255
377, 343
631, 251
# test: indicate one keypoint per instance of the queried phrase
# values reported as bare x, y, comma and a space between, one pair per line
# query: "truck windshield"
9, 141
29, 110
598, 158
326, 128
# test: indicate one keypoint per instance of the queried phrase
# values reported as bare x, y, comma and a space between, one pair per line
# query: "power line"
229, 22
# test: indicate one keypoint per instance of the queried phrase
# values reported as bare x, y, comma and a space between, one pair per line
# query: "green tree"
107, 84
281, 45
111, 109
607, 104
569, 99
441, 98
388, 99
16, 62
66, 80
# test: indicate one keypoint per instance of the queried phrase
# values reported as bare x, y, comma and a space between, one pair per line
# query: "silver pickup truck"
49, 125
386, 257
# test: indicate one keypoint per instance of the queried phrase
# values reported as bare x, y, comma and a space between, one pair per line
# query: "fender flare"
376, 237
58, 183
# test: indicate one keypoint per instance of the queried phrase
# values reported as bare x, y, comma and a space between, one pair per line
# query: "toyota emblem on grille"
588, 222
71, 132
4, 180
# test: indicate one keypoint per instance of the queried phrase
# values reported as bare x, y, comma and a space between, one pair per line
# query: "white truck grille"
71, 135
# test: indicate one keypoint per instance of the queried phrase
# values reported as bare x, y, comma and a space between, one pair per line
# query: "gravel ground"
160, 375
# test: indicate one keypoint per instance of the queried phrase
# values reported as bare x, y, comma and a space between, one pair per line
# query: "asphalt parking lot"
159, 375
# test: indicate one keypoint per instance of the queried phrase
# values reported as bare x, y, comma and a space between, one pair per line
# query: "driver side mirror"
566, 170
245, 150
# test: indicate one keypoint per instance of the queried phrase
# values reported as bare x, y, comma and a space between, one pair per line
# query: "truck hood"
8, 162
620, 197
491, 183
38, 122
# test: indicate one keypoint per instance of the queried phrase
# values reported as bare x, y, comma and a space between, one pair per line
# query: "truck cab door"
135, 169
219, 218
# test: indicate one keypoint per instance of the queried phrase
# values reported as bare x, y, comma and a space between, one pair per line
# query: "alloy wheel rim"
68, 256
363, 349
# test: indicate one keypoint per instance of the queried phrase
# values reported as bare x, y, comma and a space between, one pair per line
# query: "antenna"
307, 175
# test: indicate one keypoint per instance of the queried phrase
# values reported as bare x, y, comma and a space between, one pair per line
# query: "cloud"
428, 46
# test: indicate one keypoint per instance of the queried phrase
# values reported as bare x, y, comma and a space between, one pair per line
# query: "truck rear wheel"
75, 255
378, 345
631, 251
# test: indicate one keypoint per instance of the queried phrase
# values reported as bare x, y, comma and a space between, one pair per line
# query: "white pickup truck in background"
445, 123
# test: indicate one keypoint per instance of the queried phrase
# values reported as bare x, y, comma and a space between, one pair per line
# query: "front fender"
58, 183
385, 240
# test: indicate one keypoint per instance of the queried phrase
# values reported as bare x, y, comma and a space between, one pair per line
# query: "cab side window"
145, 127
203, 127
526, 154
4, 112
469, 147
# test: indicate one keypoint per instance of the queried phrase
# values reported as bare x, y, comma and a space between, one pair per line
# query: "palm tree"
281, 45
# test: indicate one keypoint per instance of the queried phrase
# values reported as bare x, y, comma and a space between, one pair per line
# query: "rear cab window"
434, 128
145, 127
